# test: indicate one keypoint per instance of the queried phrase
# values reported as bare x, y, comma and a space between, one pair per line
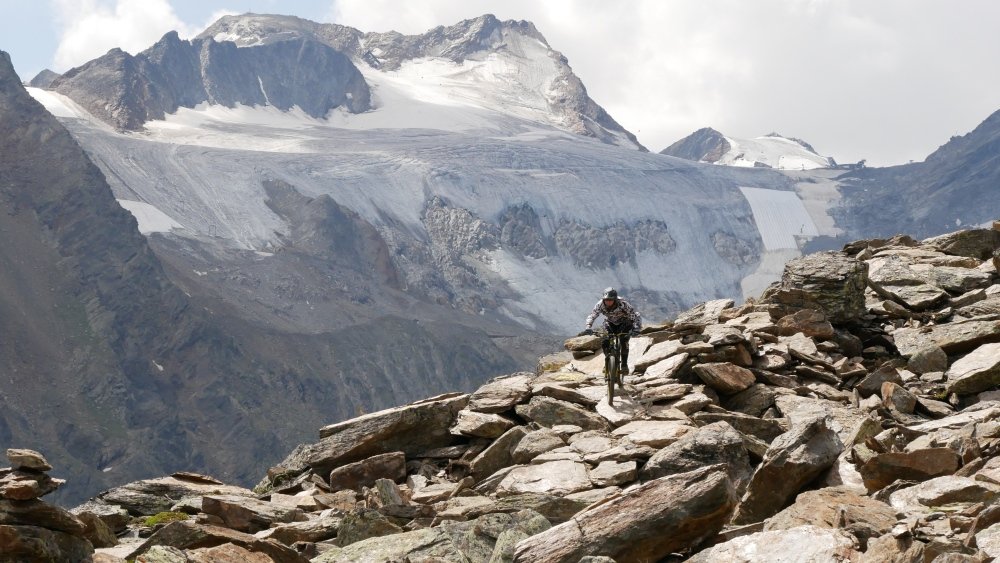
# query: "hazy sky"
885, 80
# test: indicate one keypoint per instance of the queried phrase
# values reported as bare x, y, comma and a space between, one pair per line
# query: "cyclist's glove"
586, 332
634, 333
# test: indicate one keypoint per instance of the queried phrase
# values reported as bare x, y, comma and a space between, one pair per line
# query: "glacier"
471, 140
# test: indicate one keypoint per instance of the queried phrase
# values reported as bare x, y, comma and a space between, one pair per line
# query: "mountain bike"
614, 371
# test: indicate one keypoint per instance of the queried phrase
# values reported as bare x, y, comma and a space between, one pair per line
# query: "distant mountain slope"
503, 68
125, 366
128, 91
769, 151
958, 184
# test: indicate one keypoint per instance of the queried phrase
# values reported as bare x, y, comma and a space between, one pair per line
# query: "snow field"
780, 217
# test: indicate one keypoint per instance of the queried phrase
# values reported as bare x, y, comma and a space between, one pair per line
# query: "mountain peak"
503, 70
43, 79
768, 151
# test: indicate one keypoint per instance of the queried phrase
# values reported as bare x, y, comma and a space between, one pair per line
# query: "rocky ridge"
476, 38
285, 61
848, 414
127, 91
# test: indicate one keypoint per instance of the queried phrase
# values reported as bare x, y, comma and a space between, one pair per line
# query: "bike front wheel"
620, 376
613, 368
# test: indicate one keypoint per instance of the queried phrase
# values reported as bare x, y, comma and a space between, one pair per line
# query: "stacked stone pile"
30, 529
849, 414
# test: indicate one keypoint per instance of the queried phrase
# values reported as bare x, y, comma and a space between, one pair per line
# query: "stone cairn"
851, 413
32, 530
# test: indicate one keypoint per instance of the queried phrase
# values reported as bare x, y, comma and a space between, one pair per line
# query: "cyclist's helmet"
610, 293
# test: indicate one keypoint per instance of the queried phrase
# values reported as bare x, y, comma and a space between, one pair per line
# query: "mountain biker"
620, 317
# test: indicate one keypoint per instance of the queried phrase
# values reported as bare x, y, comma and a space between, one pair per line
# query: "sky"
888, 81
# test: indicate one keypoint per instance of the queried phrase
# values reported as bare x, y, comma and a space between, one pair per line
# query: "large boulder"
501, 394
974, 243
554, 477
703, 313
497, 455
410, 429
646, 523
314, 530
22, 484
33, 543
807, 543
364, 523
27, 459
767, 429
716, 443
725, 378
918, 465
536, 443
934, 493
653, 433
190, 535
550, 412
977, 371
835, 507
364, 473
955, 280
892, 278
813, 324
480, 424
889, 548
38, 513
418, 545
954, 337
248, 514
152, 496
831, 282
793, 460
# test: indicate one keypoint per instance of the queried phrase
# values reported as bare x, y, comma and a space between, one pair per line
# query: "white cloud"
89, 28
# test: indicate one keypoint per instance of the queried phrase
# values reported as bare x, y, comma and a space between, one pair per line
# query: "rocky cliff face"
848, 414
128, 91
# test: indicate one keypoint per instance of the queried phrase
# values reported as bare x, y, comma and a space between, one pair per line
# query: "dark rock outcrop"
126, 91
704, 145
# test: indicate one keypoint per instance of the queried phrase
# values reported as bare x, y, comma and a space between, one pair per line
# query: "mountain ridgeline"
958, 184
127, 91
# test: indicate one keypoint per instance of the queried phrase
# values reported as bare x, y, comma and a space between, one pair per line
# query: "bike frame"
613, 369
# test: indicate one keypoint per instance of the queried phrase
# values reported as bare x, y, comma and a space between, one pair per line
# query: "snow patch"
260, 83
211, 125
780, 217
150, 219
776, 152
58, 104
